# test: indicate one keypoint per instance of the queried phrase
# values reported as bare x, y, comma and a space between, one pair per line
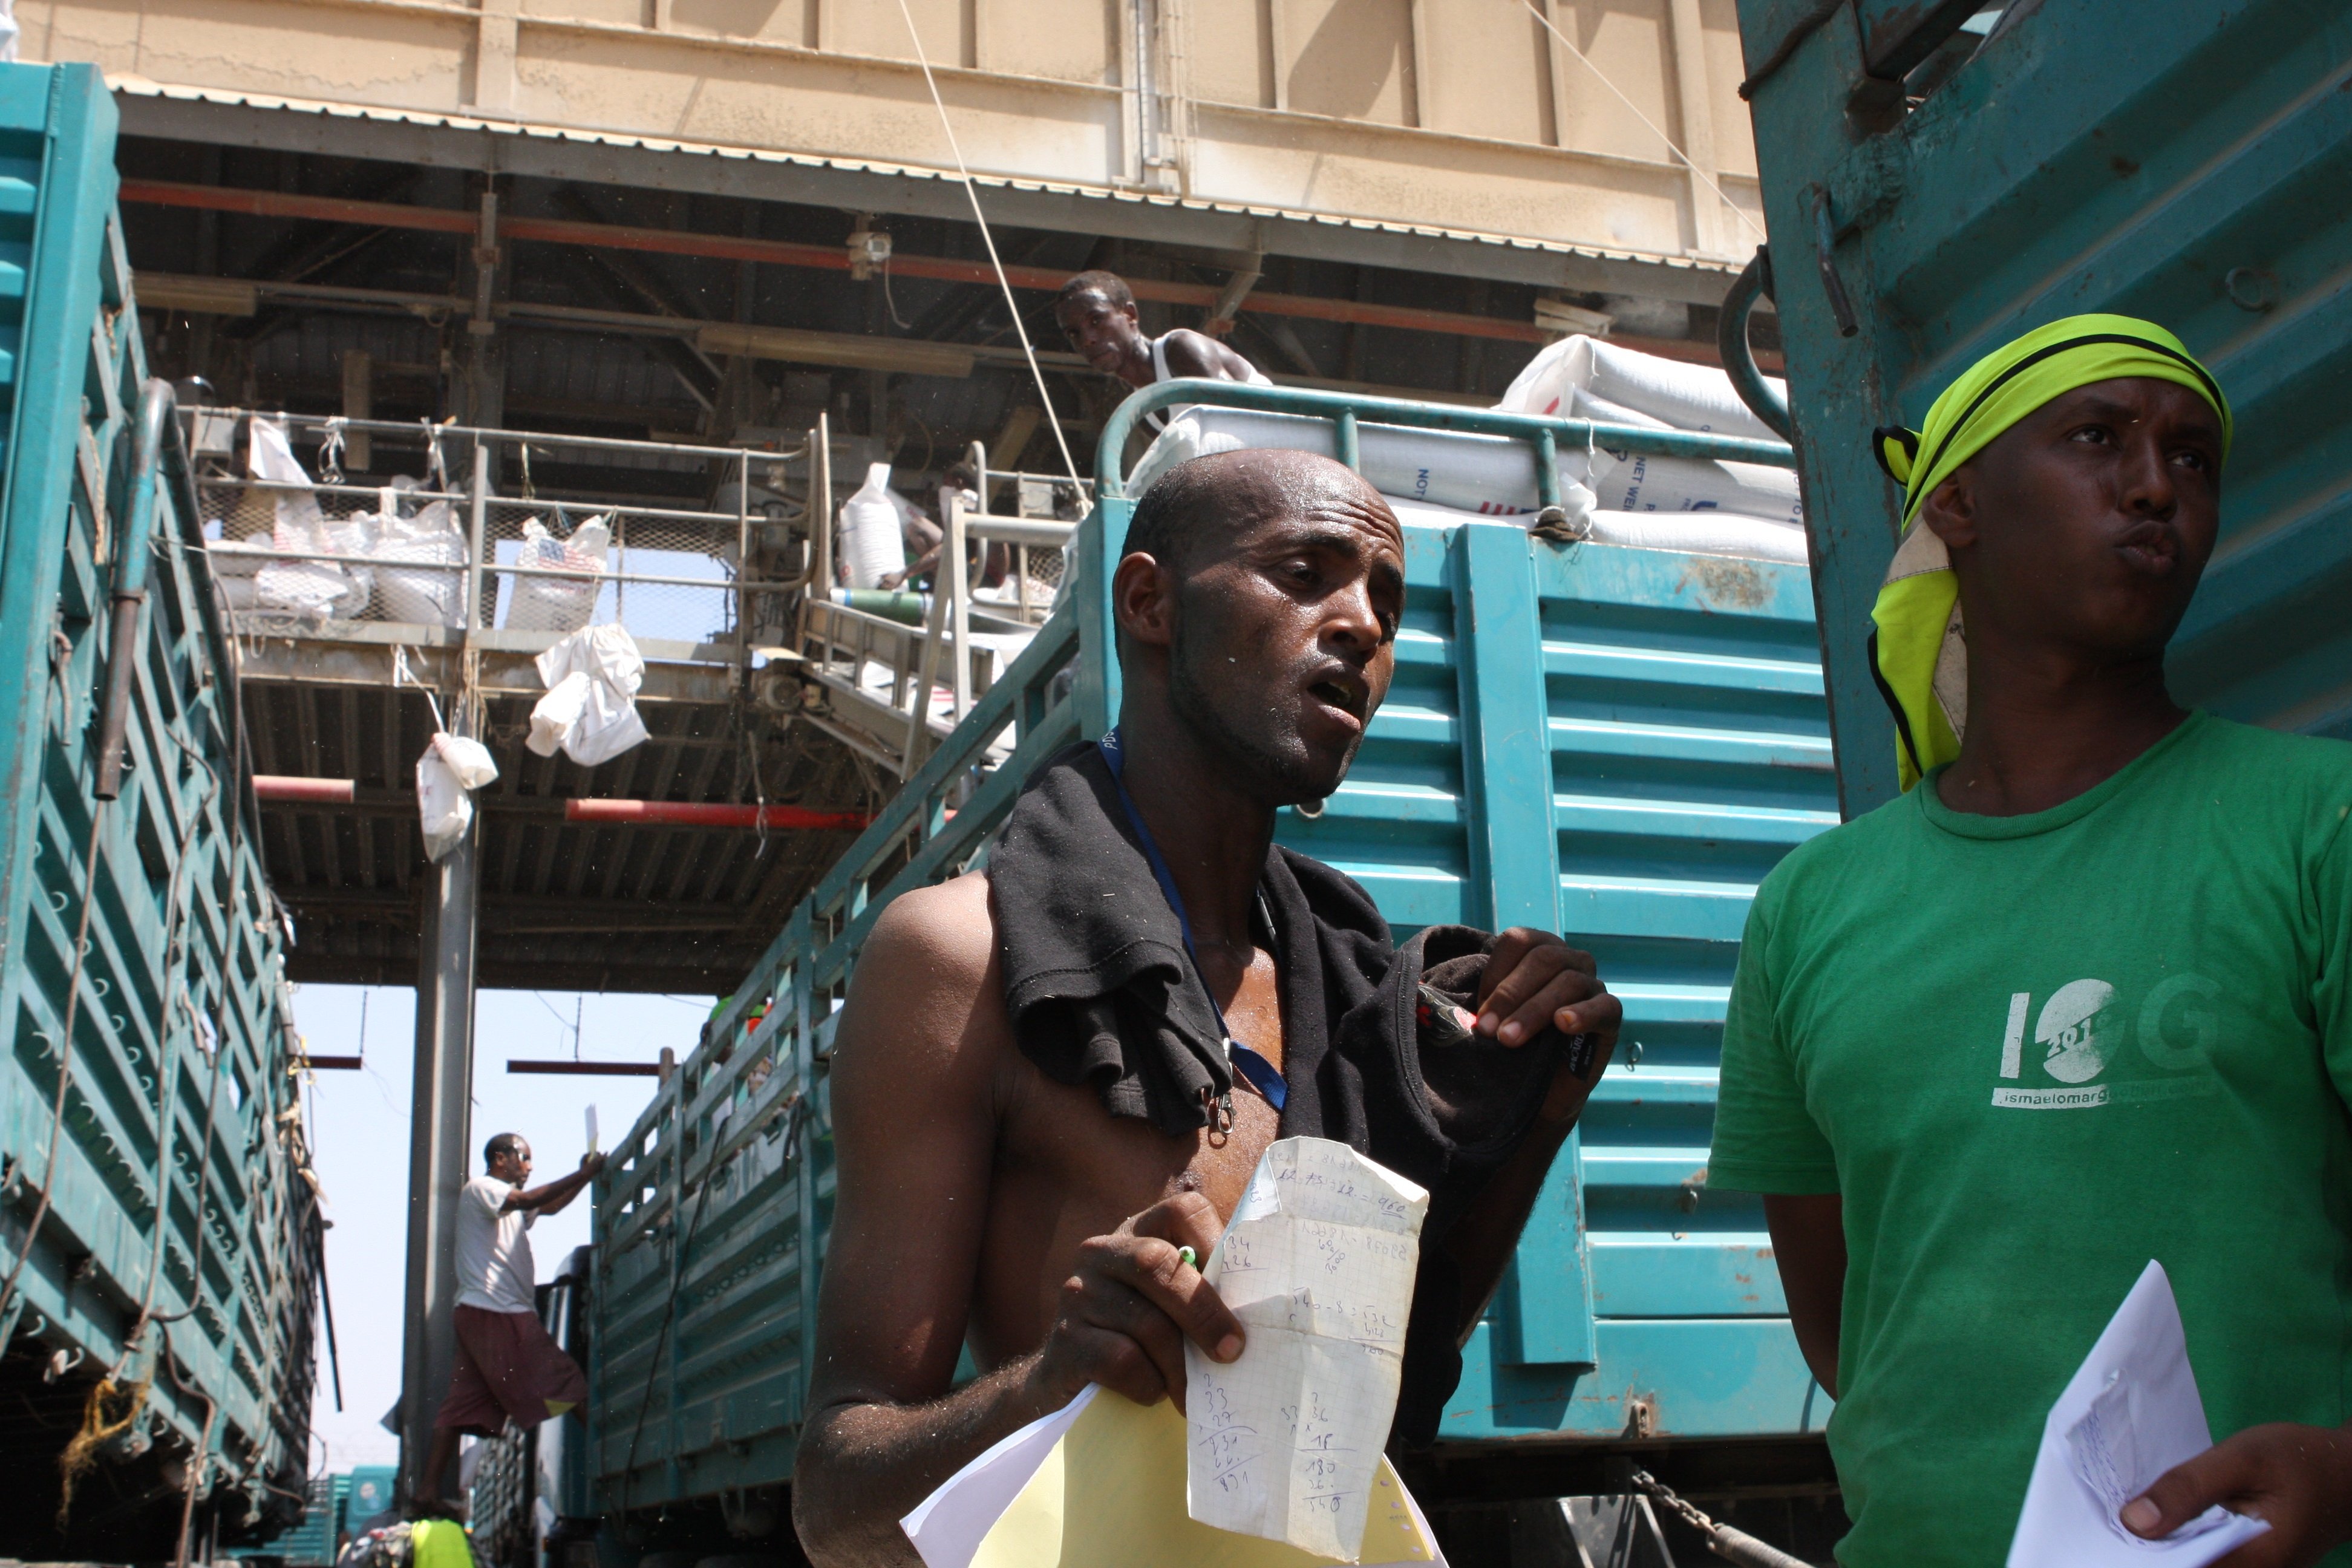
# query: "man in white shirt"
1095, 310
508, 1368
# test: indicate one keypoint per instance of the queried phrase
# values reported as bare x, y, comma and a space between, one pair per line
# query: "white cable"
973, 193
1704, 178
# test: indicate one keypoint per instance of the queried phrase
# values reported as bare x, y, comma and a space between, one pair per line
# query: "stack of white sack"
426, 586
1592, 378
1611, 496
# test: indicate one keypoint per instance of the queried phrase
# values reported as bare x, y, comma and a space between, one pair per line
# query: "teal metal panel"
1700, 1378
1514, 856
180, 1137
1610, 743
1688, 750
2161, 158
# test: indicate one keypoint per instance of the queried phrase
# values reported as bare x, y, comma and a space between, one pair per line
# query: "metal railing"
465, 548
871, 662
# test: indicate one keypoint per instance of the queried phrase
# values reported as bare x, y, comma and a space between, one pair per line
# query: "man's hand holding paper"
1279, 1463
1318, 1265
1134, 1311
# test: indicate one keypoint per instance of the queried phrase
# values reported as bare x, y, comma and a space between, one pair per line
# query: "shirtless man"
983, 1202
1097, 313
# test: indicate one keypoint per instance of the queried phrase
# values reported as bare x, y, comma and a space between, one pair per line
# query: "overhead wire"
971, 193
1586, 60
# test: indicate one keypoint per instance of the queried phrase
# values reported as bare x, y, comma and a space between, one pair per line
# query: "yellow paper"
1111, 1495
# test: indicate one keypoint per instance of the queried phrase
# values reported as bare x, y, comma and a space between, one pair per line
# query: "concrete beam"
506, 149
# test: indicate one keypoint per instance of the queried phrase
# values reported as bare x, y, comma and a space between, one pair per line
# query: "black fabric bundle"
1101, 992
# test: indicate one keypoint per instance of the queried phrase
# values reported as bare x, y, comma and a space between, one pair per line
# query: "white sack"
419, 595
1583, 405
873, 530
1494, 476
448, 772
269, 457
559, 604
305, 587
1686, 396
590, 711
1669, 392
1635, 482
318, 587
1687, 532
1545, 383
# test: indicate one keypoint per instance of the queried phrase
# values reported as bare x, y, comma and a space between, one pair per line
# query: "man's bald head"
1205, 502
1257, 605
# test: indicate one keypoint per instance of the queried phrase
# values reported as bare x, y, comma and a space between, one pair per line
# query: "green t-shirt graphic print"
2031, 1053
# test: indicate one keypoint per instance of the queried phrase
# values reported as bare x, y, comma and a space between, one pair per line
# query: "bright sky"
359, 1129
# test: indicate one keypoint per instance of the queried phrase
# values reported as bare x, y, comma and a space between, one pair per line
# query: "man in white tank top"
1096, 313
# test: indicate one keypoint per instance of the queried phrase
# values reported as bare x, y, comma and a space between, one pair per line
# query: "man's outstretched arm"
915, 1125
554, 1194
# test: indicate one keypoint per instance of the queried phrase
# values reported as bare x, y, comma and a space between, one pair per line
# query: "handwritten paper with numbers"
1318, 1266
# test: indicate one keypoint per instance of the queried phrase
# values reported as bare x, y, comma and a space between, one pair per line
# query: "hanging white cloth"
590, 711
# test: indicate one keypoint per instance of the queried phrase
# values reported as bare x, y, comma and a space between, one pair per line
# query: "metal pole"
440, 1132
955, 577
482, 512
927, 670
820, 510
743, 559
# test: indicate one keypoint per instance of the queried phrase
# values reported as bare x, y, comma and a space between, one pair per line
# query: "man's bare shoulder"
949, 928
1197, 353
928, 990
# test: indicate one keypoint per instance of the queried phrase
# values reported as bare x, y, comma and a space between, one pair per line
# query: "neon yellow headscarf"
1918, 652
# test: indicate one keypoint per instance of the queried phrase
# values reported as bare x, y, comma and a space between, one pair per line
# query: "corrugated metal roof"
140, 87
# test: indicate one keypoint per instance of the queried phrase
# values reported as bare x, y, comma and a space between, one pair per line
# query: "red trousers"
507, 1368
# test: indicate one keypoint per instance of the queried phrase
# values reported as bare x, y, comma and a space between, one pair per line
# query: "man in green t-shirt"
2080, 999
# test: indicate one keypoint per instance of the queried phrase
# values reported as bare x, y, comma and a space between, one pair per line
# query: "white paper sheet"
1318, 1266
948, 1526
2130, 1414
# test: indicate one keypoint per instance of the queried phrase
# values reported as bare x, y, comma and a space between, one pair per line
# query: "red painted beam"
288, 204
783, 252
331, 1064
702, 814
314, 791
588, 1069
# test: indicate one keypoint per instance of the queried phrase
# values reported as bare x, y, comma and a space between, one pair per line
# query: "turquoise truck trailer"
159, 1242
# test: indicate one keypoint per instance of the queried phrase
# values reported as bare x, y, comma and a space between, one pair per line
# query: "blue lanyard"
1258, 1072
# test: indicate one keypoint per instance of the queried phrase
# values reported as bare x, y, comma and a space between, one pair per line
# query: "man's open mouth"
1346, 694
2150, 547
